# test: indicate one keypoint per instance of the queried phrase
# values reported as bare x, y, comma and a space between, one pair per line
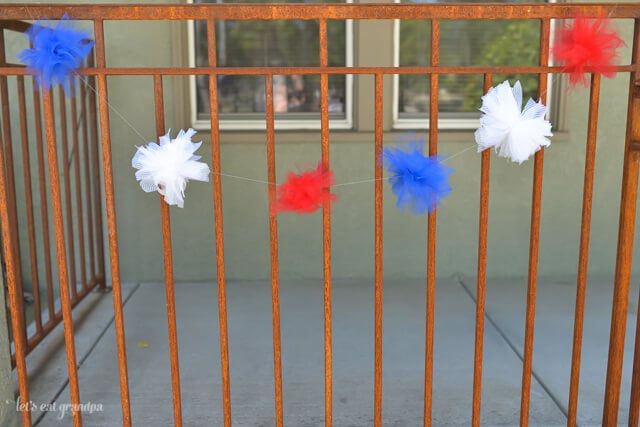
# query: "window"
462, 43
241, 98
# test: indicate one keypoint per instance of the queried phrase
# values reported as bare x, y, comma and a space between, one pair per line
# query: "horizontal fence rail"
162, 12
261, 71
76, 195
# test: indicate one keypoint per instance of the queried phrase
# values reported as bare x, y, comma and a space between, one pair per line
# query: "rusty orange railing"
436, 13
75, 118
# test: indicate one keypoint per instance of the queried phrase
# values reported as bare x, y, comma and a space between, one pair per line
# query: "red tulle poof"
307, 192
587, 43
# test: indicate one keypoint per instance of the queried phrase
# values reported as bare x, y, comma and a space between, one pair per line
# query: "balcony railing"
88, 206
26, 172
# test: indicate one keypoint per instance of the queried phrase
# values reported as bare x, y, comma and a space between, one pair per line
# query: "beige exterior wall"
245, 203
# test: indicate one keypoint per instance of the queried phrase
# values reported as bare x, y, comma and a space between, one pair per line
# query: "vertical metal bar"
624, 255
10, 162
64, 139
26, 167
483, 233
13, 266
273, 241
44, 212
78, 192
116, 288
326, 229
65, 300
87, 179
583, 257
534, 239
219, 230
168, 268
96, 192
431, 230
378, 252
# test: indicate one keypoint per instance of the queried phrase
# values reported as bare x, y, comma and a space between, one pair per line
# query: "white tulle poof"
168, 166
513, 133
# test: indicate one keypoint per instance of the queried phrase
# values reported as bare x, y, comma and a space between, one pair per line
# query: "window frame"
249, 124
462, 123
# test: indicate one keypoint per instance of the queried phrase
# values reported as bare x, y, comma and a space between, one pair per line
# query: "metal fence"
436, 13
28, 193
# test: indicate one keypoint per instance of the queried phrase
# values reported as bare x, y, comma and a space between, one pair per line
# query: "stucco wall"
300, 237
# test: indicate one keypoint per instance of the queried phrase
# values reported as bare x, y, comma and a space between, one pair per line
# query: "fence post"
624, 254
99, 209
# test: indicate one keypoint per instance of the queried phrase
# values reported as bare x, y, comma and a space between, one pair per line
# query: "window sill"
279, 125
443, 124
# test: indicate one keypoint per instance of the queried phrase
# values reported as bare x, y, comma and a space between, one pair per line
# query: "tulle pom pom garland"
587, 43
514, 134
168, 166
306, 192
56, 52
419, 181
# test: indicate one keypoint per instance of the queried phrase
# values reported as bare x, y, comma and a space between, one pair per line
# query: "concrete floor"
250, 338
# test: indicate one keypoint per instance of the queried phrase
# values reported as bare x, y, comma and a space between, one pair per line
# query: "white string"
458, 153
244, 178
86, 83
362, 181
112, 108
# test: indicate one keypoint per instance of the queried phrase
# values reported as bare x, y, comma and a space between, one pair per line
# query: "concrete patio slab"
553, 338
47, 363
251, 359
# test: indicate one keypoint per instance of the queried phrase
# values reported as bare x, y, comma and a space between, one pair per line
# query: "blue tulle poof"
56, 52
419, 181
